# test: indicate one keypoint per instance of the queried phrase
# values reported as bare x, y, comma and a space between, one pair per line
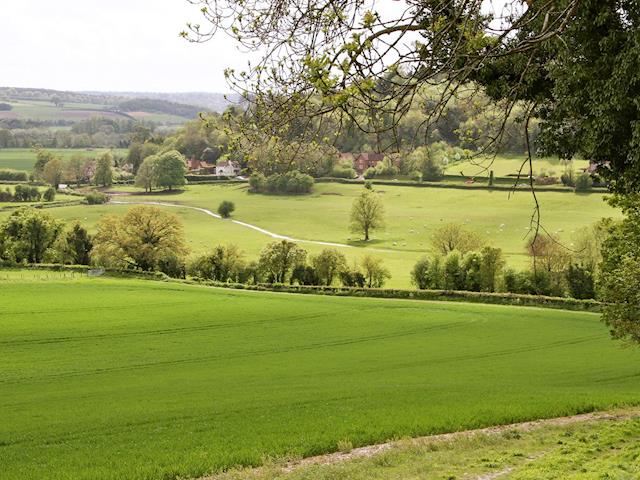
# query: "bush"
96, 198
9, 175
25, 193
584, 182
546, 180
568, 178
305, 275
343, 171
352, 278
226, 208
257, 183
432, 169
225, 263
421, 274
6, 195
416, 176
172, 266
49, 194
369, 173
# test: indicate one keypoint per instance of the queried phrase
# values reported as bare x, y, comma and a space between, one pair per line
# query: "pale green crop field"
25, 158
43, 110
116, 379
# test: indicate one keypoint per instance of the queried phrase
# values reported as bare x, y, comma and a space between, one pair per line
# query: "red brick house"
362, 161
195, 165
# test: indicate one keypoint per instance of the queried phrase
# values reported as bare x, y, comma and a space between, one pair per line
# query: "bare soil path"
371, 450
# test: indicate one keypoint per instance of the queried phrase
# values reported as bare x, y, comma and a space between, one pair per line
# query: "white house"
227, 168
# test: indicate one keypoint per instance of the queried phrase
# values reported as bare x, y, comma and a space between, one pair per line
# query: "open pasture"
116, 379
505, 166
412, 214
25, 158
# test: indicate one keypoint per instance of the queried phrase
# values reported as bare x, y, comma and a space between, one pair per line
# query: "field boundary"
509, 299
375, 449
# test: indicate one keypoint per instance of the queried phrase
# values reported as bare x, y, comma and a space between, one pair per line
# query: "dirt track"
372, 450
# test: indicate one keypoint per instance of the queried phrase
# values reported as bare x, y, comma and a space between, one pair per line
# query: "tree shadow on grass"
160, 192
361, 243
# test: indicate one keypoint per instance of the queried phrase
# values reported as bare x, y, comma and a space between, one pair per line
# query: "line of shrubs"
9, 175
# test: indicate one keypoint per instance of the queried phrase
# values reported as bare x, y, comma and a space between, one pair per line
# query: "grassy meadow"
505, 166
25, 158
412, 215
115, 379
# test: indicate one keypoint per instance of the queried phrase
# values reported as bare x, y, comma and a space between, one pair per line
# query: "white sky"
115, 45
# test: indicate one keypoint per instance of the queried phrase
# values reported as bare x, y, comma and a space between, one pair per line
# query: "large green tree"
147, 176
619, 281
141, 239
170, 169
103, 175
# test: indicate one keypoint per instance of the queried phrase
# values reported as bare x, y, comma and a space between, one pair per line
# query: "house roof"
228, 163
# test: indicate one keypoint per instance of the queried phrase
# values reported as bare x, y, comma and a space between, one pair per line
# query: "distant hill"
185, 105
216, 102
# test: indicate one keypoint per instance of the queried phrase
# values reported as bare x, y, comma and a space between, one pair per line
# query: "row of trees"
287, 262
52, 169
27, 193
149, 239
166, 170
461, 262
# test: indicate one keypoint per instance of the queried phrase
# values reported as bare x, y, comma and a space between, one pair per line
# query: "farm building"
227, 168
195, 165
362, 161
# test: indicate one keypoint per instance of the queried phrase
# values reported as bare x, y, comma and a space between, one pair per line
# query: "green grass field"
412, 215
118, 379
504, 166
25, 158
